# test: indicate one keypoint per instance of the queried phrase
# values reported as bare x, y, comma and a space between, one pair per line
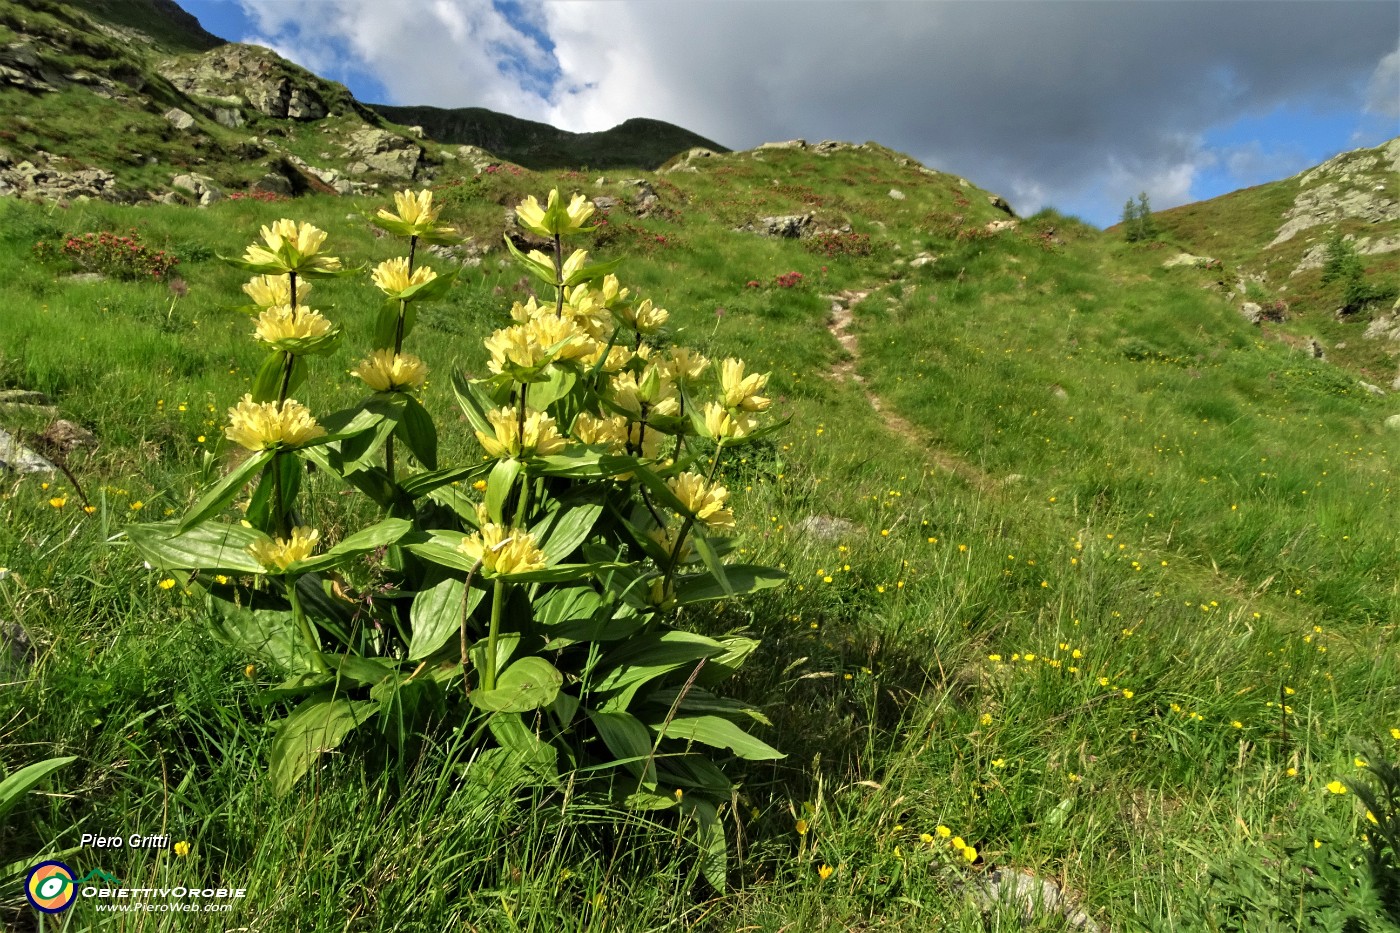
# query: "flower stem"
498, 601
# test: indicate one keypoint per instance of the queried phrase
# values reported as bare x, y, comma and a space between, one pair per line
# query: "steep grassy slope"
1105, 589
1273, 241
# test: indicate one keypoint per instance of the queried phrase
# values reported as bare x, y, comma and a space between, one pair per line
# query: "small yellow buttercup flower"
182, 848
280, 553
393, 278
703, 500
824, 872
264, 425
540, 436
1337, 787
503, 550
741, 391
269, 291
386, 371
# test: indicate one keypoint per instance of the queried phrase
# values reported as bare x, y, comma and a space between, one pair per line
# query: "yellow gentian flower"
540, 436
703, 500
387, 371
264, 425
393, 278
550, 220
741, 391
298, 330
301, 243
277, 554
503, 550
270, 291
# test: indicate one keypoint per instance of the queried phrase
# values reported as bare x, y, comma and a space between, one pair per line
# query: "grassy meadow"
1104, 591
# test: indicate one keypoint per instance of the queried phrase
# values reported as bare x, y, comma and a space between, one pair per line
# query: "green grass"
1125, 646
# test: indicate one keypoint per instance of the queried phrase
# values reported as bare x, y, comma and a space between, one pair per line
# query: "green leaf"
435, 289
517, 738
592, 272
743, 579
548, 276
270, 634
436, 616
218, 497
268, 382
711, 559
559, 573
372, 481
318, 725
418, 485
380, 534
718, 732
642, 659
737, 649
15, 786
560, 532
709, 839
363, 672
473, 404
628, 739
499, 486
441, 548
528, 684
210, 546
703, 701
418, 432
540, 395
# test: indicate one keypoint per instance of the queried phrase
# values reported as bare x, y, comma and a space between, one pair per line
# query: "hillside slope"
1273, 241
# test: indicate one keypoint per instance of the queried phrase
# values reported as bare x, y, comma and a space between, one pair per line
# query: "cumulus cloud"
1069, 102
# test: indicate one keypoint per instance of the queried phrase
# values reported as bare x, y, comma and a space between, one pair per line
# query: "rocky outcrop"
52, 178
248, 76
1195, 262
375, 150
1351, 185
790, 227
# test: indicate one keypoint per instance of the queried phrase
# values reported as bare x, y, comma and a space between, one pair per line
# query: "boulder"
997, 201
1252, 312
274, 183
16, 458
787, 144
198, 185
179, 119
239, 74
1194, 262
1393, 422
1000, 226
376, 150
896, 194
789, 227
230, 117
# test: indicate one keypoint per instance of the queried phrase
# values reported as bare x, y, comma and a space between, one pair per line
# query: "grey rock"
1188, 260
1373, 389
65, 437
787, 144
1000, 226
1393, 422
790, 227
1315, 349
230, 117
179, 119
16, 458
209, 197
997, 201
1252, 312
274, 183
896, 194
1032, 897
829, 527
23, 397
17, 653
921, 260
383, 152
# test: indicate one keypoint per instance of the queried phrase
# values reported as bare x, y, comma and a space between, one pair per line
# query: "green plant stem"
308, 633
558, 276
498, 601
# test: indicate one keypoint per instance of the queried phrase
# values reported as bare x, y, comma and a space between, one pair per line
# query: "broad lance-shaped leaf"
528, 684
217, 498
270, 634
318, 725
418, 432
436, 616
210, 546
628, 739
709, 839
718, 732
15, 786
560, 532
743, 580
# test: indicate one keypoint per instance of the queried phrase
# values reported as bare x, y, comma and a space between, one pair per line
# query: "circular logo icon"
50, 887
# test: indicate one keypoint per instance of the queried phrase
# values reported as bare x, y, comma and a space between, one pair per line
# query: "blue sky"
1073, 104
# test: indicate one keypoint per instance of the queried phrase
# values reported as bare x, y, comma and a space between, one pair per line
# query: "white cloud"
1060, 102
